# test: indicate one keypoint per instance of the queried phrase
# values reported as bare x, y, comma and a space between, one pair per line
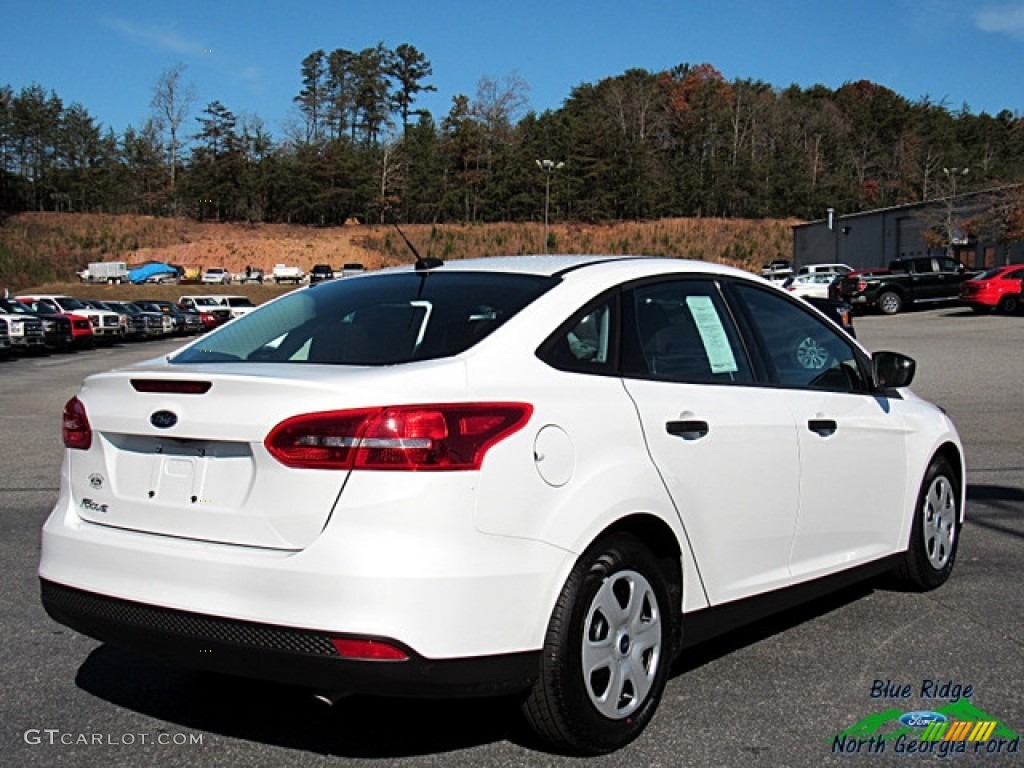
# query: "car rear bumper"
281, 654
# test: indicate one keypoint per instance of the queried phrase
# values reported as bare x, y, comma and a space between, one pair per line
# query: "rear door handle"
824, 427
691, 429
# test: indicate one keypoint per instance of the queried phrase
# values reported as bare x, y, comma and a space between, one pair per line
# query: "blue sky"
108, 55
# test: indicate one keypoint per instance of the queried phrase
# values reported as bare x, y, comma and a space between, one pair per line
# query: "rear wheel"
890, 303
935, 532
1009, 304
607, 651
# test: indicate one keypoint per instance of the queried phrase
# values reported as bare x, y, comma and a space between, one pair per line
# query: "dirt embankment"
38, 248
235, 247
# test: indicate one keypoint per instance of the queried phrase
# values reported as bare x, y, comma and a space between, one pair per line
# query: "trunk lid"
194, 465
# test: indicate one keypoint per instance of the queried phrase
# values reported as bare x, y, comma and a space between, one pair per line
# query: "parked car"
542, 476
5, 340
80, 326
924, 280
845, 284
321, 272
146, 323
106, 325
215, 276
24, 331
210, 311
128, 330
284, 273
777, 270
186, 322
238, 305
250, 275
835, 269
56, 328
810, 284
998, 288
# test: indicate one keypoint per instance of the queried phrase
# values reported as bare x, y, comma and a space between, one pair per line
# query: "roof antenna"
422, 263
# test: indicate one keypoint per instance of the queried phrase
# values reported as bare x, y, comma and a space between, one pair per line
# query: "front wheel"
607, 650
890, 303
1009, 304
934, 534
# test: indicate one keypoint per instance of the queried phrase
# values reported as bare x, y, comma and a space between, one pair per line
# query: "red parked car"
82, 336
994, 289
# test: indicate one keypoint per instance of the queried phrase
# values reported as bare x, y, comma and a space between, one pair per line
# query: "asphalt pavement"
779, 693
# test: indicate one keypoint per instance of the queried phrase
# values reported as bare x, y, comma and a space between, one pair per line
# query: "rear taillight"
406, 437
76, 430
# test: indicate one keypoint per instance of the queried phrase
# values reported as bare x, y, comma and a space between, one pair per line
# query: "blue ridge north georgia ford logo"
163, 419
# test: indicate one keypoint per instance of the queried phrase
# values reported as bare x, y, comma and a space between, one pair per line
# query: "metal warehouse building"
875, 238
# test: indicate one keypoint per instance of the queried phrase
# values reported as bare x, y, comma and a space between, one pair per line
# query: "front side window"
385, 319
801, 350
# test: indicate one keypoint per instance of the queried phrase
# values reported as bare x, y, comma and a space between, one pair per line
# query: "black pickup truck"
921, 280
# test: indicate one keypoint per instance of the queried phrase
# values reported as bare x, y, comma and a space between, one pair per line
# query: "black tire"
890, 303
935, 532
1009, 304
565, 707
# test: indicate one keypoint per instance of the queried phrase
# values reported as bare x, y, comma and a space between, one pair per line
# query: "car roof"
550, 265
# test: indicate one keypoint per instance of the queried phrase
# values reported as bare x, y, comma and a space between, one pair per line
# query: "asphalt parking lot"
774, 694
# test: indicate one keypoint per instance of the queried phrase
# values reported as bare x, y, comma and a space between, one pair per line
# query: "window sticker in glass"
712, 334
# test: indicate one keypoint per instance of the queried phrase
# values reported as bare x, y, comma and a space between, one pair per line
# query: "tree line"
683, 142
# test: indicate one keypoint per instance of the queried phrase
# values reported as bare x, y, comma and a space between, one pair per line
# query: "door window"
801, 350
681, 330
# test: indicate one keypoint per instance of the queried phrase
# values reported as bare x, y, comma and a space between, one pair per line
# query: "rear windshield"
380, 319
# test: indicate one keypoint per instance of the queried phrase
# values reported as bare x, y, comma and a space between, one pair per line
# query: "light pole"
549, 167
951, 174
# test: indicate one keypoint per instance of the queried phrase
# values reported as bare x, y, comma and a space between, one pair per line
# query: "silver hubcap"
621, 644
810, 354
939, 526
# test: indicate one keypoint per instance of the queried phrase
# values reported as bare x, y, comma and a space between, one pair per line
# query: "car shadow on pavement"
757, 631
283, 716
998, 508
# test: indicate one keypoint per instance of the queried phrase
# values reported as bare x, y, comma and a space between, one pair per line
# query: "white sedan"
810, 284
542, 476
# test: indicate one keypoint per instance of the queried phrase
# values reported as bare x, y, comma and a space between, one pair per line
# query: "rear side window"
382, 319
586, 343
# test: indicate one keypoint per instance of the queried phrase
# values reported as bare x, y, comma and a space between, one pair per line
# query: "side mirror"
892, 370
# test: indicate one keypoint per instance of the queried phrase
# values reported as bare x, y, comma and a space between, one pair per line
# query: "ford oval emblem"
163, 419
922, 718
